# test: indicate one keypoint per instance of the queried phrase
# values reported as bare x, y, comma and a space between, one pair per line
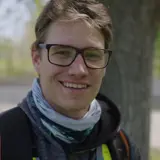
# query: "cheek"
97, 77
45, 66
51, 72
100, 73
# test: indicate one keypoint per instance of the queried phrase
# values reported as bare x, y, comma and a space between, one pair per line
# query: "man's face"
54, 79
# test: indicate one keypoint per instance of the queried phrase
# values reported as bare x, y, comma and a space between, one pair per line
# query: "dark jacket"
18, 139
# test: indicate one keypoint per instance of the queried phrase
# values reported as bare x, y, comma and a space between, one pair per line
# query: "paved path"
155, 130
10, 96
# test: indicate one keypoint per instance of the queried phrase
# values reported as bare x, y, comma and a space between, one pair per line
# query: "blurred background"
17, 19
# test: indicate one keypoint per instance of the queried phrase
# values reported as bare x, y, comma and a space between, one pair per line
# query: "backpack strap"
15, 132
132, 151
125, 141
119, 146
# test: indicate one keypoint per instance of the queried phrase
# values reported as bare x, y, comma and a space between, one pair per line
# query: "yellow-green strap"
35, 158
105, 152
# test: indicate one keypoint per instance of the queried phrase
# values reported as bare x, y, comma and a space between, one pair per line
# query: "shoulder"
15, 132
11, 119
11, 113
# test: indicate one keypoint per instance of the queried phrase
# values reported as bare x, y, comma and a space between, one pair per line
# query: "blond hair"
91, 11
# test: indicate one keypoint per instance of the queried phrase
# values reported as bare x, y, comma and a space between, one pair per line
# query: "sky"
13, 17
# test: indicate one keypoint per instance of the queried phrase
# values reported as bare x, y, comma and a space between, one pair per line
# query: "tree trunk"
129, 75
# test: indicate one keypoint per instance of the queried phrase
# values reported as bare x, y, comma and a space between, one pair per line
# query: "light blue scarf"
67, 129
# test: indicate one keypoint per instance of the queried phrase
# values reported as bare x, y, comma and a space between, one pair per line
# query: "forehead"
76, 33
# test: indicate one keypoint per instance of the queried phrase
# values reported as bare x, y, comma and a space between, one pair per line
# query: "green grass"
156, 60
18, 67
155, 154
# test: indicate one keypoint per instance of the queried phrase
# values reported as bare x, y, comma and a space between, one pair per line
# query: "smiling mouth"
74, 85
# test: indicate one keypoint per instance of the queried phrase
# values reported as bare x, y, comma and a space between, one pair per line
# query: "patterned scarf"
66, 129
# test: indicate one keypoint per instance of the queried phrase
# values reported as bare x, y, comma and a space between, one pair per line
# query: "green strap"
105, 152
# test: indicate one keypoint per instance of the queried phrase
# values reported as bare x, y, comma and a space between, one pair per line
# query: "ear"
36, 59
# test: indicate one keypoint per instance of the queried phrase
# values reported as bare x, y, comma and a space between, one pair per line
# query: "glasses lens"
61, 55
96, 58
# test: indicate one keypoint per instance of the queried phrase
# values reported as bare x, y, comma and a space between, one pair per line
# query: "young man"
64, 117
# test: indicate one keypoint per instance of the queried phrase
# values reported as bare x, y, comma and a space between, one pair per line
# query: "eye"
61, 51
93, 54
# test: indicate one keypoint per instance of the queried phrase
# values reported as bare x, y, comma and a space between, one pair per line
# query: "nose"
78, 68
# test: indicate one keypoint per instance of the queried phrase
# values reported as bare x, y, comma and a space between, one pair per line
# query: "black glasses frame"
78, 51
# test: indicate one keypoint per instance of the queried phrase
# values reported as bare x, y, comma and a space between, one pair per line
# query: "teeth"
73, 85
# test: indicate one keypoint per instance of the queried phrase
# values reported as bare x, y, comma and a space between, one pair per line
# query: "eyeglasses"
63, 55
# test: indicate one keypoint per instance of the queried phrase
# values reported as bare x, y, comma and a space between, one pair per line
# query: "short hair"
91, 11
